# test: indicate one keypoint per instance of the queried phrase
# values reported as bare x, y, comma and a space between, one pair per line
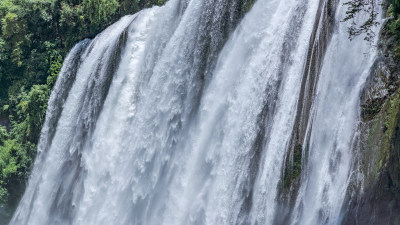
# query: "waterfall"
190, 113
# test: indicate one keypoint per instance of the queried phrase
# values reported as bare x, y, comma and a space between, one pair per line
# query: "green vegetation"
15, 160
35, 36
382, 134
381, 158
394, 23
355, 7
371, 108
388, 154
247, 5
293, 167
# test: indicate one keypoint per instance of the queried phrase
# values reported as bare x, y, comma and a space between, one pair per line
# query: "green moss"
293, 167
371, 108
247, 5
161, 2
381, 154
391, 119
297, 161
393, 24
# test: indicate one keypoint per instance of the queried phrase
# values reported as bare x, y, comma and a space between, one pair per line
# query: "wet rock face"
376, 90
377, 84
387, 51
377, 201
378, 198
375, 207
384, 77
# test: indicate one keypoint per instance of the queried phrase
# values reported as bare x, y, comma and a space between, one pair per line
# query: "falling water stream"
185, 114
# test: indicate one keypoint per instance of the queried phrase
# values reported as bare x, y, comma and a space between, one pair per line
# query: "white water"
181, 132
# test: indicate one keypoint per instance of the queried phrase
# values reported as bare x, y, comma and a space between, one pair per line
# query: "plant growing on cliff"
293, 167
369, 7
35, 36
356, 7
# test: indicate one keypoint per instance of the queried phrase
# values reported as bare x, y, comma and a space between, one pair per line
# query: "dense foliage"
35, 36
394, 23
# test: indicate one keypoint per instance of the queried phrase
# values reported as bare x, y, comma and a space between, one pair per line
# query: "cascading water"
179, 115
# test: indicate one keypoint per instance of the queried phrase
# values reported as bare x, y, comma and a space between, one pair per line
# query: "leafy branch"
356, 7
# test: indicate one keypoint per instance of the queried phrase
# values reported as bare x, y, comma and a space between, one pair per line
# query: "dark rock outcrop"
377, 199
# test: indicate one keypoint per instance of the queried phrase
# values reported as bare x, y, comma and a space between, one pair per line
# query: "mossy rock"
293, 167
